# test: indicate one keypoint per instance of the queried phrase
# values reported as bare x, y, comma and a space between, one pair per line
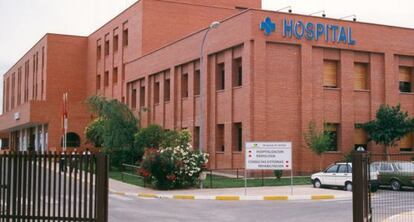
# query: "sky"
24, 22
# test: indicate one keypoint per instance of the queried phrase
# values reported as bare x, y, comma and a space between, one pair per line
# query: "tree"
154, 136
115, 128
390, 125
318, 141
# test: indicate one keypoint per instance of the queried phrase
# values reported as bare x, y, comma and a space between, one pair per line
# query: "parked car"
340, 175
395, 173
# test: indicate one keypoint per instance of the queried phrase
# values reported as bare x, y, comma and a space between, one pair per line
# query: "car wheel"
348, 186
395, 185
317, 183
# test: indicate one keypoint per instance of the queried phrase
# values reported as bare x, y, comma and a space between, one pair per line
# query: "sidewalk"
407, 216
300, 192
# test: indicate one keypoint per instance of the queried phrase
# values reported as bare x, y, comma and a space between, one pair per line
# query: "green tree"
115, 128
154, 136
318, 141
94, 132
390, 125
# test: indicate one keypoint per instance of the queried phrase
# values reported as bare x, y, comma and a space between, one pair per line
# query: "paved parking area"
126, 208
388, 204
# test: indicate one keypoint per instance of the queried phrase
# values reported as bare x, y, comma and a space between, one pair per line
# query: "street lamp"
213, 25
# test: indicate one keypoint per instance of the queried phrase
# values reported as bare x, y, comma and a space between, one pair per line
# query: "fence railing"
132, 171
53, 187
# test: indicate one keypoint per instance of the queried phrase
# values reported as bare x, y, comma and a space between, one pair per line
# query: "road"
385, 203
125, 208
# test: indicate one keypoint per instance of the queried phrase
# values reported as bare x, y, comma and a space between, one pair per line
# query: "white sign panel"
268, 155
17, 116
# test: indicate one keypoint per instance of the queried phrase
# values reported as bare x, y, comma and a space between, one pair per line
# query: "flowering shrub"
173, 167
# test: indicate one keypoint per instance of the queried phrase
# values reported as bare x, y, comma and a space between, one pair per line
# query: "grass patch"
218, 181
134, 180
225, 182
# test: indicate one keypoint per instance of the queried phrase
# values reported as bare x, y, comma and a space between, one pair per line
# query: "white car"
340, 175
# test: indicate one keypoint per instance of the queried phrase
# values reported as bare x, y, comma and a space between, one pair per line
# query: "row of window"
107, 78
237, 137
19, 80
237, 73
115, 43
361, 76
361, 138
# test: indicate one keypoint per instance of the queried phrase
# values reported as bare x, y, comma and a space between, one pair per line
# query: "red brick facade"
262, 87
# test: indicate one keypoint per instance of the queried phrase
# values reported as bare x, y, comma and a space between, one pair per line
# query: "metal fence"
394, 174
53, 187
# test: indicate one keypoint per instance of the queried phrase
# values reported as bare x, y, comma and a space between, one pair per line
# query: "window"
134, 99
237, 72
332, 169
106, 47
196, 138
238, 136
106, 79
360, 137
123, 72
157, 93
406, 143
26, 81
386, 167
330, 74
115, 43
405, 74
72, 140
125, 38
343, 168
220, 76
220, 138
13, 90
142, 96
19, 86
331, 129
197, 82
115, 75
98, 52
167, 90
184, 85
361, 76
98, 82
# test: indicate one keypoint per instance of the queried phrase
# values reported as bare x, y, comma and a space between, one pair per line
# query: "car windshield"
405, 166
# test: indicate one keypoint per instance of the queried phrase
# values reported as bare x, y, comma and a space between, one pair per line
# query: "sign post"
268, 156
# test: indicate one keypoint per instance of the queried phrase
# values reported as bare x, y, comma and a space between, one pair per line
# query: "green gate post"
102, 187
360, 187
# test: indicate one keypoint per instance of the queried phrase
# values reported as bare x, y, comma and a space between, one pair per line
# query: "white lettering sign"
268, 155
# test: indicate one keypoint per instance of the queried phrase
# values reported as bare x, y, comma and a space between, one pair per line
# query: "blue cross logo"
268, 26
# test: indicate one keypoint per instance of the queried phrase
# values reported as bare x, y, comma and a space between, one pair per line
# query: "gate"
394, 175
53, 187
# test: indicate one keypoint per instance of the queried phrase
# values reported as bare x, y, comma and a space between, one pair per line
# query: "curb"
229, 197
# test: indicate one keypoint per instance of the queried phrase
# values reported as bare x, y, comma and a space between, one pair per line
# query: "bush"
173, 167
278, 174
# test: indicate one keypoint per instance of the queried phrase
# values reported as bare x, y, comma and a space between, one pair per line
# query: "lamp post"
213, 25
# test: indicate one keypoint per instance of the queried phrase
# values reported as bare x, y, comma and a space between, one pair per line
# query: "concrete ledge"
322, 197
147, 195
184, 197
231, 197
275, 198
228, 198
